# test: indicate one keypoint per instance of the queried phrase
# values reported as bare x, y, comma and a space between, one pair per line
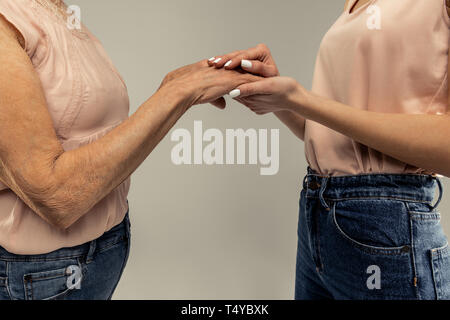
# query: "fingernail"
218, 60
212, 59
235, 93
246, 64
228, 63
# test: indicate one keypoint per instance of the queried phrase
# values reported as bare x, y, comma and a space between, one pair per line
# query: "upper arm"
28, 142
448, 10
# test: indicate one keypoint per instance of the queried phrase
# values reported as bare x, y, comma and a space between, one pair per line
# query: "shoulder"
8, 30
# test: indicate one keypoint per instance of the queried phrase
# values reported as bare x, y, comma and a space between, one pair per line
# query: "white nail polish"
212, 59
246, 64
235, 93
228, 63
218, 60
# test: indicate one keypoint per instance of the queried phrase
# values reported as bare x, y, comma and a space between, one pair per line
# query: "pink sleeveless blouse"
387, 56
86, 98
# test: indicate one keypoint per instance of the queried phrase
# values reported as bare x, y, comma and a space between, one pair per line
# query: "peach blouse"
86, 98
386, 56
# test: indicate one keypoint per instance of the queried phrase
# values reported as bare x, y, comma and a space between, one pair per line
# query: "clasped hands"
249, 76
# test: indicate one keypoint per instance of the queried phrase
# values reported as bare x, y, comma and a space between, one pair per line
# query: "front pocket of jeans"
376, 226
440, 261
52, 284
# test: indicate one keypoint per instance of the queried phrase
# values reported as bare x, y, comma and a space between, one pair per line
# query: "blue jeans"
87, 272
371, 237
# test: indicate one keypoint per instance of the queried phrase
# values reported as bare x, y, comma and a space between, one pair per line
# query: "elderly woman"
68, 148
376, 128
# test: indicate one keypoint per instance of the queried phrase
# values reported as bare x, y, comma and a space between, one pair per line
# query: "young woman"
68, 148
377, 134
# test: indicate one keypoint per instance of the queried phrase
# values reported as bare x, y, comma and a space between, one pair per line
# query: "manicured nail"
212, 59
235, 93
217, 60
246, 64
228, 63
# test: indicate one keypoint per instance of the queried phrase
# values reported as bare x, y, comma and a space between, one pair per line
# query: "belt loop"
305, 182
440, 192
90, 255
323, 186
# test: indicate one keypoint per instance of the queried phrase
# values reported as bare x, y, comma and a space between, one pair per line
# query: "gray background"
221, 232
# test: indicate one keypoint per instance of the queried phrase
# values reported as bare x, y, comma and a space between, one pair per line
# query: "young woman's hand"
270, 95
200, 84
257, 60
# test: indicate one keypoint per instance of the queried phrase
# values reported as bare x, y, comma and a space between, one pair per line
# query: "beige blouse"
386, 56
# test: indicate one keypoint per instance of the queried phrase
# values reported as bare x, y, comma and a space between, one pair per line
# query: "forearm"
421, 140
84, 176
293, 121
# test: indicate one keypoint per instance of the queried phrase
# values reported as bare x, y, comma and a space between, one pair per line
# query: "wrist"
298, 98
180, 98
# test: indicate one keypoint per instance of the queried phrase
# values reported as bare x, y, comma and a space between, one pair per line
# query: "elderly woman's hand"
200, 84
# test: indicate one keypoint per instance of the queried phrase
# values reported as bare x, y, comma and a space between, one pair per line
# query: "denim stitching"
375, 197
124, 263
424, 216
7, 281
372, 174
369, 249
27, 289
436, 276
437, 254
45, 278
413, 254
58, 295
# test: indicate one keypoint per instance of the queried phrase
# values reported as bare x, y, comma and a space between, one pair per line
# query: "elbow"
56, 200
59, 219
56, 206
61, 211
58, 216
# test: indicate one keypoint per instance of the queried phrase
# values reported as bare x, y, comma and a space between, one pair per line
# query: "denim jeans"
371, 237
87, 272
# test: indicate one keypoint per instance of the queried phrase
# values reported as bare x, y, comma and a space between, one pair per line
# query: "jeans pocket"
4, 293
376, 226
440, 262
53, 283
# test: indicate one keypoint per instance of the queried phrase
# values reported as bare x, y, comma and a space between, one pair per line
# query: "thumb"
220, 103
251, 89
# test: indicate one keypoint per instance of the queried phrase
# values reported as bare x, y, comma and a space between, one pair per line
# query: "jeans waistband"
86, 250
406, 187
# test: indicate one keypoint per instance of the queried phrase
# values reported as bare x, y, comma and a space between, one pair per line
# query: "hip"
349, 224
87, 271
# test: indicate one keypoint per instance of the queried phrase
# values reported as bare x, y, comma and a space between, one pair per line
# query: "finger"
259, 68
259, 53
233, 60
257, 110
251, 89
220, 103
211, 61
221, 60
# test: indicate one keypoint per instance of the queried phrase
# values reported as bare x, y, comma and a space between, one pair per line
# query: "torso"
399, 68
86, 98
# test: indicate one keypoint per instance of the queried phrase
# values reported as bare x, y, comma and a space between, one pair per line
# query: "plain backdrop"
212, 232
